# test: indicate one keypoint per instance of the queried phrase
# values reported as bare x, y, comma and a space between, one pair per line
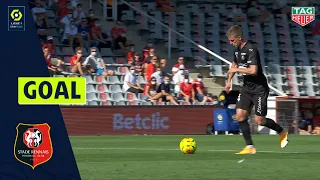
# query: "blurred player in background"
255, 90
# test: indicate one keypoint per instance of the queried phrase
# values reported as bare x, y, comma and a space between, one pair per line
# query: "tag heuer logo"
33, 144
303, 15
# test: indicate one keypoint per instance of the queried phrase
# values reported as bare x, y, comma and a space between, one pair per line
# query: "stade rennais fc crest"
33, 144
303, 15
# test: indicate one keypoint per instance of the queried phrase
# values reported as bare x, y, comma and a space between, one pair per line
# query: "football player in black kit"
255, 90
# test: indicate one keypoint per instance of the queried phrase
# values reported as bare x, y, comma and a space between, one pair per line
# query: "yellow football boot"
247, 150
284, 139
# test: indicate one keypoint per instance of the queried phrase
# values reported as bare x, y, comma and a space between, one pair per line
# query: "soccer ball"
188, 146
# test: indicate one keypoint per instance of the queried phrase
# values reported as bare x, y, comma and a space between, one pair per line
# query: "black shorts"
246, 100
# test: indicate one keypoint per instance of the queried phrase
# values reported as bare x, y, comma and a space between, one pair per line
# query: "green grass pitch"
158, 158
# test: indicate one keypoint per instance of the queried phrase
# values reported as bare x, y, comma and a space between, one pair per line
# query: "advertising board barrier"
289, 110
224, 120
121, 120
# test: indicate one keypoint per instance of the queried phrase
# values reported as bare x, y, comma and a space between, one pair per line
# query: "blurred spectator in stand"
257, 13
83, 31
65, 21
180, 62
199, 89
41, 29
280, 7
120, 45
62, 9
163, 63
96, 36
47, 57
178, 77
50, 45
78, 14
130, 82
164, 92
131, 54
71, 36
138, 64
149, 57
91, 17
38, 11
151, 68
151, 90
76, 62
236, 14
96, 64
187, 90
158, 74
307, 125
54, 64
146, 49
165, 6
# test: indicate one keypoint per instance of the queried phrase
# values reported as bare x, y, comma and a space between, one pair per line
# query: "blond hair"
234, 31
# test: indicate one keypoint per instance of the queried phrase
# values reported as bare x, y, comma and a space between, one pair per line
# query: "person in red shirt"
187, 90
96, 35
47, 57
146, 49
50, 45
199, 90
151, 68
180, 62
62, 9
76, 62
131, 54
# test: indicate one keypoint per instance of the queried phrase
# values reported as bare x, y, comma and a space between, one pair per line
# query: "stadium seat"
106, 103
122, 70
133, 103
118, 97
102, 88
93, 103
100, 80
89, 80
131, 97
115, 89
92, 97
146, 103
105, 97
113, 80
120, 103
90, 89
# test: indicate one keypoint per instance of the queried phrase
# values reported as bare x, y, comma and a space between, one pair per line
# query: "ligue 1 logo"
303, 15
33, 144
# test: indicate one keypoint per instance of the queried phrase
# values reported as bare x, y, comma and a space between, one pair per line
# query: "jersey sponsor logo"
303, 15
249, 61
33, 144
250, 50
243, 53
243, 66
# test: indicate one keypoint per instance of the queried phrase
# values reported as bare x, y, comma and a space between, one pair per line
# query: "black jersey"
249, 55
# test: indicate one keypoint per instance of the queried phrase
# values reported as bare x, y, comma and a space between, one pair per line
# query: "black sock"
245, 129
273, 125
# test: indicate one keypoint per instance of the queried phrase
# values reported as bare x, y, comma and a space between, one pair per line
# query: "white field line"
159, 149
